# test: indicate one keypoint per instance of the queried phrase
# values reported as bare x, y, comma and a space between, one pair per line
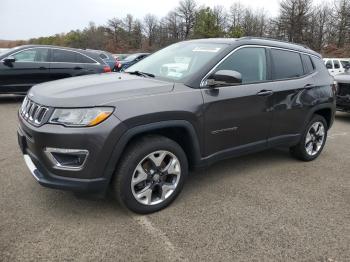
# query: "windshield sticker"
206, 49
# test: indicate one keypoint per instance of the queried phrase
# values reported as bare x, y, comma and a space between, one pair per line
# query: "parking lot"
262, 207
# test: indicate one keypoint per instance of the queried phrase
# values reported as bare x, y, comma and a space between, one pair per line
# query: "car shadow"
11, 99
84, 203
239, 166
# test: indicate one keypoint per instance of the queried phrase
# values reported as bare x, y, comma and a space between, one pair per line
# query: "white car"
336, 66
3, 50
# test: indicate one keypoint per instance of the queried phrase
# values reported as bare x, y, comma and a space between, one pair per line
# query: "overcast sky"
24, 19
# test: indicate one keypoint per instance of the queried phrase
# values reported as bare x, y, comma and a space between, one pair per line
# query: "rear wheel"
151, 174
312, 141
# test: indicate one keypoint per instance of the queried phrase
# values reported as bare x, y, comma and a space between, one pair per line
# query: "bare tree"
187, 11
294, 15
221, 17
342, 21
150, 26
113, 29
236, 14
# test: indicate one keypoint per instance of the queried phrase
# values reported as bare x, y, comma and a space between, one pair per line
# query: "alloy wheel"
156, 177
315, 138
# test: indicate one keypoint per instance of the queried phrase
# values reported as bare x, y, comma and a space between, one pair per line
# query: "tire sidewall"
316, 118
127, 170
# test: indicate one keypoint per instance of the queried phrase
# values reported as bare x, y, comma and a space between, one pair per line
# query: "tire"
151, 163
306, 149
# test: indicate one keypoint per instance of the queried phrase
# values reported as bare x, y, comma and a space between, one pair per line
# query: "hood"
96, 90
343, 78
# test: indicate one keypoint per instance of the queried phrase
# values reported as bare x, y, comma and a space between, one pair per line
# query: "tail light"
107, 69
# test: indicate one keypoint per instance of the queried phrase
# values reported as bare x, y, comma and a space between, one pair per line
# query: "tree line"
323, 27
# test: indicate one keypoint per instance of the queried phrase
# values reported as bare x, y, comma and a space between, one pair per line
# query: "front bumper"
99, 141
50, 180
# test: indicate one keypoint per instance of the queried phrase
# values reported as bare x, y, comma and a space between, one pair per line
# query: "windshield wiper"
139, 73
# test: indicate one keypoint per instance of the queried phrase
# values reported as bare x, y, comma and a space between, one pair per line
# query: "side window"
249, 61
319, 65
308, 66
42, 55
32, 55
83, 59
63, 56
103, 56
329, 64
336, 64
286, 64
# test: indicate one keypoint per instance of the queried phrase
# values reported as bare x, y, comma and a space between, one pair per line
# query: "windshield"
179, 60
6, 51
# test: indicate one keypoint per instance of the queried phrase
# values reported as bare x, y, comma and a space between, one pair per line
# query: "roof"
259, 41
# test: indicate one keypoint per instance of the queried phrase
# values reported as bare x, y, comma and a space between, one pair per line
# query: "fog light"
67, 159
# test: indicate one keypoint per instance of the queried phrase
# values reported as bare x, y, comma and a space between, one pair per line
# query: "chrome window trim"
49, 150
204, 79
29, 48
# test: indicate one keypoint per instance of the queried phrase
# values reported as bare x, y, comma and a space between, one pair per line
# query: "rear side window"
286, 64
249, 61
319, 65
66, 56
103, 56
336, 64
83, 59
63, 56
308, 66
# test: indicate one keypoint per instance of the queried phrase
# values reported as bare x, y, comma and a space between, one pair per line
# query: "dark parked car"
130, 60
184, 107
343, 90
107, 57
25, 66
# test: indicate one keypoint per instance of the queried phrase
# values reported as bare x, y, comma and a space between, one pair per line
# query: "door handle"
78, 68
265, 93
42, 68
309, 86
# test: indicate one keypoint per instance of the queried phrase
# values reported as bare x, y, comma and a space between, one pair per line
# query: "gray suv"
182, 108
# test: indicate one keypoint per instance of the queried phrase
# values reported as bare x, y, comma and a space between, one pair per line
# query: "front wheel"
312, 141
151, 174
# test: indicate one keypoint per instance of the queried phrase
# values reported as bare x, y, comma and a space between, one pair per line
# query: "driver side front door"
31, 67
238, 117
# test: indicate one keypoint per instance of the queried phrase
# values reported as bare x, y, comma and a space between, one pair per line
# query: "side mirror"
9, 60
225, 78
329, 66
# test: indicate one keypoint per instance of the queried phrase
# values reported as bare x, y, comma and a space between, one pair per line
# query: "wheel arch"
324, 110
181, 131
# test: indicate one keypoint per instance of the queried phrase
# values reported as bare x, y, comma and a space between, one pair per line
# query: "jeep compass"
184, 107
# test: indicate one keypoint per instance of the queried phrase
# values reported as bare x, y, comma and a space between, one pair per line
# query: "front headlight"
79, 117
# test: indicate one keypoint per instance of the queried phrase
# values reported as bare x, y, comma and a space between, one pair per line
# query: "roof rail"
273, 39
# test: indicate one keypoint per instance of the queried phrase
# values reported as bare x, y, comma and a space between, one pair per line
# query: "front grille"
33, 112
343, 89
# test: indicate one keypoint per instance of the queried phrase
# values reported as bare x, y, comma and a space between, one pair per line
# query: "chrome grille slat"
33, 112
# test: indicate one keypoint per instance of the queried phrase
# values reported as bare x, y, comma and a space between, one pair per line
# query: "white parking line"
174, 255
